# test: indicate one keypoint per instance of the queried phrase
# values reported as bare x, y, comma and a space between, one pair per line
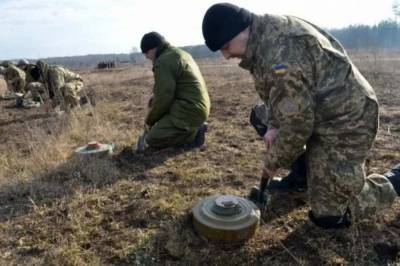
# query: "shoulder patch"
280, 69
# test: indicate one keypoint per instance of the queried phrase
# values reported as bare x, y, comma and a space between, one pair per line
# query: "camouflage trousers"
38, 90
165, 134
336, 176
16, 85
68, 94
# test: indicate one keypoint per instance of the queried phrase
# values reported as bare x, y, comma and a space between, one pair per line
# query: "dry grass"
135, 209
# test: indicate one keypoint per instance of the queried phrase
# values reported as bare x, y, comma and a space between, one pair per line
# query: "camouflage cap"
23, 62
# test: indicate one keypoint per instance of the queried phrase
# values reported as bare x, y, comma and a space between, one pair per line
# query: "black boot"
201, 135
332, 222
394, 177
296, 180
199, 139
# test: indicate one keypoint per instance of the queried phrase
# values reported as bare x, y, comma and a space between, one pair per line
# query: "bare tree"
133, 54
396, 9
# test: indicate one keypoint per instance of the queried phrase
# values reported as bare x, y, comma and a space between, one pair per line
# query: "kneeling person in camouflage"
59, 84
180, 105
318, 104
14, 77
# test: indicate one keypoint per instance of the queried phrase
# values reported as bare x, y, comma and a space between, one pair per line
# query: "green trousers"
165, 134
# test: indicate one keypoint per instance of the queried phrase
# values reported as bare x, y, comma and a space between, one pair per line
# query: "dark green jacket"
179, 90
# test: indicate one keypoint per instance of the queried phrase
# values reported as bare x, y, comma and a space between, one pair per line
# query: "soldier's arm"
70, 76
163, 92
292, 112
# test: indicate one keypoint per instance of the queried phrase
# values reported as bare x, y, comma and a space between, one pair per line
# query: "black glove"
257, 124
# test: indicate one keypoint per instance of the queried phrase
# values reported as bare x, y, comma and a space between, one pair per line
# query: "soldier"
317, 99
34, 83
180, 104
14, 77
57, 83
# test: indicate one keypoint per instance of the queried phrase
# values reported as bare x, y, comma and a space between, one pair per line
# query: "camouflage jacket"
58, 76
15, 77
179, 89
311, 88
29, 76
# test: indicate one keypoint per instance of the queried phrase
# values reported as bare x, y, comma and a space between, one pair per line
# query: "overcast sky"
47, 28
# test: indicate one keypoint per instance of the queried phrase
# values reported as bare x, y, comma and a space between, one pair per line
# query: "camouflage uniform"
62, 84
38, 90
34, 84
317, 99
15, 79
65, 84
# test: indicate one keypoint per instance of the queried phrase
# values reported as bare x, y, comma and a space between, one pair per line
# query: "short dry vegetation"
134, 209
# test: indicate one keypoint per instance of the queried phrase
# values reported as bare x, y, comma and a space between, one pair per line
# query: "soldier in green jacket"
316, 98
180, 104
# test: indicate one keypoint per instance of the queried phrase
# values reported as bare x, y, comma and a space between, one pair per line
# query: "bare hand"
270, 137
268, 173
146, 127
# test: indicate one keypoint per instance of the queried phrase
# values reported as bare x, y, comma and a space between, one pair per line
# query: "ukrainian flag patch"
280, 69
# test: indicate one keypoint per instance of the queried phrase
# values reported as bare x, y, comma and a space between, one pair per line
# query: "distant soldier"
27, 68
14, 77
34, 83
315, 98
59, 84
180, 104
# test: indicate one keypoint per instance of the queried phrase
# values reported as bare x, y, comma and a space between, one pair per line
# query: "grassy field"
134, 209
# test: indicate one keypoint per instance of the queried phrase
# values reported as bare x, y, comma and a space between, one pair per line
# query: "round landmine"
95, 148
226, 217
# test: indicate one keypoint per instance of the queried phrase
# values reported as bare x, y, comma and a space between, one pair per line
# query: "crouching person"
61, 84
14, 77
180, 104
316, 99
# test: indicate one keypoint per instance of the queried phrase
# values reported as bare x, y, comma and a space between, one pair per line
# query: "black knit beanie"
151, 40
222, 22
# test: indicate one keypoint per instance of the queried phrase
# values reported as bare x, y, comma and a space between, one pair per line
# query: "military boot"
201, 135
394, 177
199, 139
296, 180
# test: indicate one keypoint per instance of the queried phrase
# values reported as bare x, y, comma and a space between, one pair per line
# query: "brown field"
135, 209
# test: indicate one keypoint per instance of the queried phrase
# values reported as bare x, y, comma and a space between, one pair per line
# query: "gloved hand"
257, 124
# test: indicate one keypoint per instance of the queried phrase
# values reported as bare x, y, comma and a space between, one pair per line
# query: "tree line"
384, 35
